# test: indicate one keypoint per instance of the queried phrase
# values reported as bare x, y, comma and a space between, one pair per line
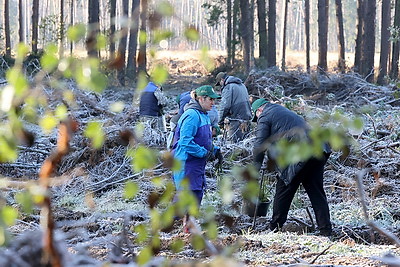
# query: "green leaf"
25, 200
131, 190
155, 241
212, 230
48, 123
198, 242
250, 190
142, 82
22, 51
168, 216
61, 112
160, 35
95, 133
142, 37
89, 77
76, 33
155, 219
206, 60
143, 158
142, 233
165, 8
101, 42
192, 34
177, 246
8, 150
117, 106
49, 60
9, 215
159, 74
144, 256
226, 191
358, 123
17, 79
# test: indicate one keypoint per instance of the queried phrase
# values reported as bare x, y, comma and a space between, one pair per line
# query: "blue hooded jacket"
193, 139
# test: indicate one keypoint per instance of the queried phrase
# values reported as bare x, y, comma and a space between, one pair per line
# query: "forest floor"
95, 223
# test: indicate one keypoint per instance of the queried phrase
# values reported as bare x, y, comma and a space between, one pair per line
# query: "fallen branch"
394, 239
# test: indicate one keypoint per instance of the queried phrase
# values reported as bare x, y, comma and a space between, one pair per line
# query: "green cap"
256, 105
220, 76
206, 90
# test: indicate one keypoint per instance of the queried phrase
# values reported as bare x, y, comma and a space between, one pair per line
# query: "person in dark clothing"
152, 101
234, 107
274, 122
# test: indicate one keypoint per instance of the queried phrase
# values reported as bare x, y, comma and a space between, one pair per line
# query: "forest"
85, 181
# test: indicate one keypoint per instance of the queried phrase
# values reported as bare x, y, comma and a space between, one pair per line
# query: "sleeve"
226, 103
161, 98
263, 132
188, 129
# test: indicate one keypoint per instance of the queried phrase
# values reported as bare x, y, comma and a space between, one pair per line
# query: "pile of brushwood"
93, 222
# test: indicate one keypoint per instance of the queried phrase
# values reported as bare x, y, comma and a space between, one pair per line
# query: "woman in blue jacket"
193, 141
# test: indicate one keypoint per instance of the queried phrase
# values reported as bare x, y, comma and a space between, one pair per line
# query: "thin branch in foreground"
394, 239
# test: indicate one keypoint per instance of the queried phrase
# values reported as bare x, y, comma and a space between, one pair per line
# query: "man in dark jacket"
274, 122
152, 101
234, 106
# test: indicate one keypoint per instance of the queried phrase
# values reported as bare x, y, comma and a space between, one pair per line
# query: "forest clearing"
94, 223
86, 179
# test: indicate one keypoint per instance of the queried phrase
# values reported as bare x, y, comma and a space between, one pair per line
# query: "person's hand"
218, 155
210, 156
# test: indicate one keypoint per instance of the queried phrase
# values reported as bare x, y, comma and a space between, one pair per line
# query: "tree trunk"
71, 22
394, 71
271, 53
35, 25
341, 45
245, 32
229, 39
61, 33
7, 27
359, 38
368, 51
93, 19
307, 32
262, 30
112, 28
323, 7
284, 35
142, 60
251, 34
20, 22
122, 44
385, 45
236, 11
133, 35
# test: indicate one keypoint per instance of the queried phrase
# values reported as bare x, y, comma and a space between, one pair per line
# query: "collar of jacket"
194, 104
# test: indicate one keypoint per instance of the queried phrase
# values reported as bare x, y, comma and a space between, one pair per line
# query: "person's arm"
188, 129
161, 98
263, 132
226, 102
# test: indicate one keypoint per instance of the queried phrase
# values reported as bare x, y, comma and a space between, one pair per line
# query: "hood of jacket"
194, 104
232, 79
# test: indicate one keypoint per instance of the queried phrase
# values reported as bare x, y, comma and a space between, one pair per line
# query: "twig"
195, 229
321, 253
371, 224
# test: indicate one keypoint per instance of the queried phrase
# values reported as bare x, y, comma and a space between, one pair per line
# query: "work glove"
218, 155
212, 154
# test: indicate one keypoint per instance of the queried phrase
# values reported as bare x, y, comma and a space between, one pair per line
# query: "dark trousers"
311, 176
